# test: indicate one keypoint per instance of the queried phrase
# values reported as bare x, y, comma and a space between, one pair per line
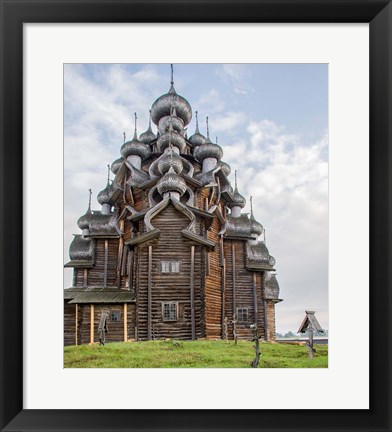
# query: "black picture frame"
378, 13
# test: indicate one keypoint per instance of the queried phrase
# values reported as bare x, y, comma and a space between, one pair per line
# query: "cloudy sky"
272, 123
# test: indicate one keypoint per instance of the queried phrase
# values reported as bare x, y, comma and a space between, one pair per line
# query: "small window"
170, 266
169, 311
175, 266
116, 316
242, 314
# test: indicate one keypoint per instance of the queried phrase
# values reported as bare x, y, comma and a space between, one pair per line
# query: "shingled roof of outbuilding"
101, 295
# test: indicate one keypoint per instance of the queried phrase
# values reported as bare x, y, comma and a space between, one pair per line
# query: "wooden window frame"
170, 304
115, 312
241, 320
170, 263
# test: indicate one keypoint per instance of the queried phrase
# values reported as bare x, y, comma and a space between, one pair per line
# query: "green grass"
192, 354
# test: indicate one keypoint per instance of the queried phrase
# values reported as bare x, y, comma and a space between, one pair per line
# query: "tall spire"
149, 120
235, 181
208, 130
251, 205
125, 137
135, 134
108, 173
89, 199
197, 123
172, 73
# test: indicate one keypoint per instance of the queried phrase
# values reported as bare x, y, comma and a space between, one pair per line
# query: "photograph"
196, 215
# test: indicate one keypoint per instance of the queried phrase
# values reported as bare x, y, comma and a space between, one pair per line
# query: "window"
169, 311
116, 316
242, 314
170, 266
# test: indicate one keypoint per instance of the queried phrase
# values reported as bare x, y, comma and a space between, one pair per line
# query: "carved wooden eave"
143, 237
79, 264
242, 238
137, 216
192, 181
198, 239
258, 268
103, 236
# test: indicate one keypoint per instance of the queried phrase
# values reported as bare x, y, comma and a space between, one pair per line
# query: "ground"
192, 354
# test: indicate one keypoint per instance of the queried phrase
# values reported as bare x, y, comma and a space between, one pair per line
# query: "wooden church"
170, 254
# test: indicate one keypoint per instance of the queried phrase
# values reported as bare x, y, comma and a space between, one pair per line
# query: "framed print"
37, 393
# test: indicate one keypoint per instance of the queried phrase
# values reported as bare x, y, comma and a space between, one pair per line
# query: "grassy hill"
192, 354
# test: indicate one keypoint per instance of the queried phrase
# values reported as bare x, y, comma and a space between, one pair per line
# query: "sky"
271, 121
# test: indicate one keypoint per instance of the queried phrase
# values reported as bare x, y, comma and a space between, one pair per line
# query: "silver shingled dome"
171, 182
238, 200
170, 158
116, 165
256, 227
136, 148
105, 194
164, 104
226, 169
208, 150
171, 138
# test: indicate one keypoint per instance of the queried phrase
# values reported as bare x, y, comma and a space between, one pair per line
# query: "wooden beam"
255, 297
125, 323
91, 324
233, 279
105, 271
120, 259
130, 270
192, 286
76, 323
149, 293
265, 321
223, 286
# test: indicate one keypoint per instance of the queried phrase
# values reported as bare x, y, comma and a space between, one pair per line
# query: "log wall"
243, 282
69, 323
168, 287
212, 291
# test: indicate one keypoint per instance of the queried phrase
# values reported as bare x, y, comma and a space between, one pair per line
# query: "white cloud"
236, 76
209, 103
288, 178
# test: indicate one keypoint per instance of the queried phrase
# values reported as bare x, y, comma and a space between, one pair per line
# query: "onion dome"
226, 169
271, 286
238, 199
81, 249
256, 227
171, 138
105, 194
172, 120
197, 138
116, 165
147, 136
171, 182
84, 220
164, 104
208, 150
135, 147
170, 159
